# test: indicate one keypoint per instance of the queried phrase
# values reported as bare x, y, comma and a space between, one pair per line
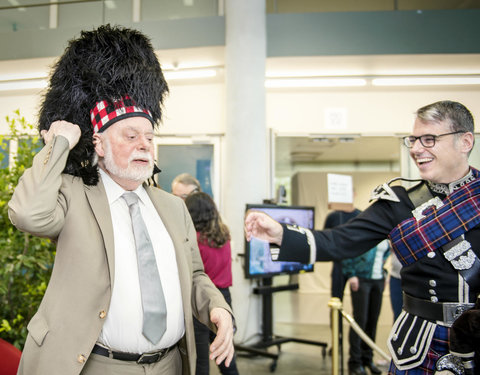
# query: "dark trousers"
337, 290
366, 303
203, 338
396, 297
338, 280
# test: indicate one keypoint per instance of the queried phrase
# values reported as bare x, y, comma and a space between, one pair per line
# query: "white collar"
115, 191
452, 186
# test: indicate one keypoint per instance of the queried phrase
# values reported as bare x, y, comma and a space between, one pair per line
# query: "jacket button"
102, 314
81, 358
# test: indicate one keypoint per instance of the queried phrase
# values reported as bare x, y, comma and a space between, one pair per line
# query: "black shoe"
357, 370
374, 370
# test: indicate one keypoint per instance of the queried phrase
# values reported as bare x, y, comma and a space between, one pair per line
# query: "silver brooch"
418, 212
464, 262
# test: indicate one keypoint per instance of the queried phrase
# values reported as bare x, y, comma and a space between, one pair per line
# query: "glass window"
80, 14
173, 9
23, 18
196, 160
312, 6
118, 11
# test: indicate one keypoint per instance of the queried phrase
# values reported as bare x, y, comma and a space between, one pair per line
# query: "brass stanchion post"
335, 305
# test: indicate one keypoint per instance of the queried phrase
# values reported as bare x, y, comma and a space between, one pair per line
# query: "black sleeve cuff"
295, 246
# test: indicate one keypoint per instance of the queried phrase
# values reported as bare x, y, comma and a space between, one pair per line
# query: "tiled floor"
296, 358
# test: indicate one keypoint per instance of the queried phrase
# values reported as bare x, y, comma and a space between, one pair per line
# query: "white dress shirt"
122, 330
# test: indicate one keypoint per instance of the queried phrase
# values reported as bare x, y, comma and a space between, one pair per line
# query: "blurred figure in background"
334, 219
366, 276
214, 243
185, 184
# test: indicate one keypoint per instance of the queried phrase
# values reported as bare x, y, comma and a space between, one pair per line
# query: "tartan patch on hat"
104, 114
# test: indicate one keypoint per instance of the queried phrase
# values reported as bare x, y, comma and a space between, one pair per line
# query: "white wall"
369, 110
194, 109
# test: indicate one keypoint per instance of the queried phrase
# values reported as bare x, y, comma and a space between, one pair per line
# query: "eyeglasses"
427, 140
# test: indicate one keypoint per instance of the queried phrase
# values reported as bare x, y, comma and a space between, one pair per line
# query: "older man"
128, 276
185, 184
434, 229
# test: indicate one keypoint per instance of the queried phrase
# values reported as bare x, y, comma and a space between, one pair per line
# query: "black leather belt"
446, 312
144, 358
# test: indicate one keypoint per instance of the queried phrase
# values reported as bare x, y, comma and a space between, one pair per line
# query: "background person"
366, 276
334, 219
338, 281
127, 275
434, 231
185, 184
214, 243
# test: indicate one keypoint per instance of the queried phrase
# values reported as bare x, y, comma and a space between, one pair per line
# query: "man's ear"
98, 144
468, 140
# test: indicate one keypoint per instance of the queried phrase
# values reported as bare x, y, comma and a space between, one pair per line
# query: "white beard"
132, 172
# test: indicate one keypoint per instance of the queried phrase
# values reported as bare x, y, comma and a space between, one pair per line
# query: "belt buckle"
452, 310
147, 358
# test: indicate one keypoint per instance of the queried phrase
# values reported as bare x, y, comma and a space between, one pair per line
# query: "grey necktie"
153, 300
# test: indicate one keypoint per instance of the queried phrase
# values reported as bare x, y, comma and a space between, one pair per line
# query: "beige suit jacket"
68, 322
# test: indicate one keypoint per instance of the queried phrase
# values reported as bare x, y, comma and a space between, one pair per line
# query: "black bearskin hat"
108, 63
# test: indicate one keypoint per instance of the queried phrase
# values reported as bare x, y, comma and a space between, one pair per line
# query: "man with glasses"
434, 228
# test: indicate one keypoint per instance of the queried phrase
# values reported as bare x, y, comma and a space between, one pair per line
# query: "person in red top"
214, 243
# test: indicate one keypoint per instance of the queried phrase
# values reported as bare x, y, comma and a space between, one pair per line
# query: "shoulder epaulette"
385, 192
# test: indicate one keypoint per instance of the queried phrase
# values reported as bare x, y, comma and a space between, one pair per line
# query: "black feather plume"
104, 64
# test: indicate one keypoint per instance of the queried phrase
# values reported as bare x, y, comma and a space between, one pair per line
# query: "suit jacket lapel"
98, 200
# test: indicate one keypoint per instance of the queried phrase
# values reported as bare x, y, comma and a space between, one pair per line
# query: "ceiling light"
23, 85
110, 4
310, 73
425, 81
22, 76
189, 74
184, 65
314, 82
346, 139
322, 140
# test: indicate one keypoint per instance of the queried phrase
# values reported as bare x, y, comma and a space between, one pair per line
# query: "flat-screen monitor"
258, 261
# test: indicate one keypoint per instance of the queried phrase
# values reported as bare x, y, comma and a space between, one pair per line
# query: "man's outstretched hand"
260, 225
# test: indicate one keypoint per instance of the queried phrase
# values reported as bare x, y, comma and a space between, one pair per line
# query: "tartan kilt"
438, 347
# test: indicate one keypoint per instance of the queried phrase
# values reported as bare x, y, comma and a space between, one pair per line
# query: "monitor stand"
268, 339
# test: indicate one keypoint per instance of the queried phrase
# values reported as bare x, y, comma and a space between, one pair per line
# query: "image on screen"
258, 263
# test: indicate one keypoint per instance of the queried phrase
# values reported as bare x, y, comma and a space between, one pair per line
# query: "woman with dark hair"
214, 243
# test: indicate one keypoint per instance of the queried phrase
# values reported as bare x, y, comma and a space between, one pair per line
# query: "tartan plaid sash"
412, 239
